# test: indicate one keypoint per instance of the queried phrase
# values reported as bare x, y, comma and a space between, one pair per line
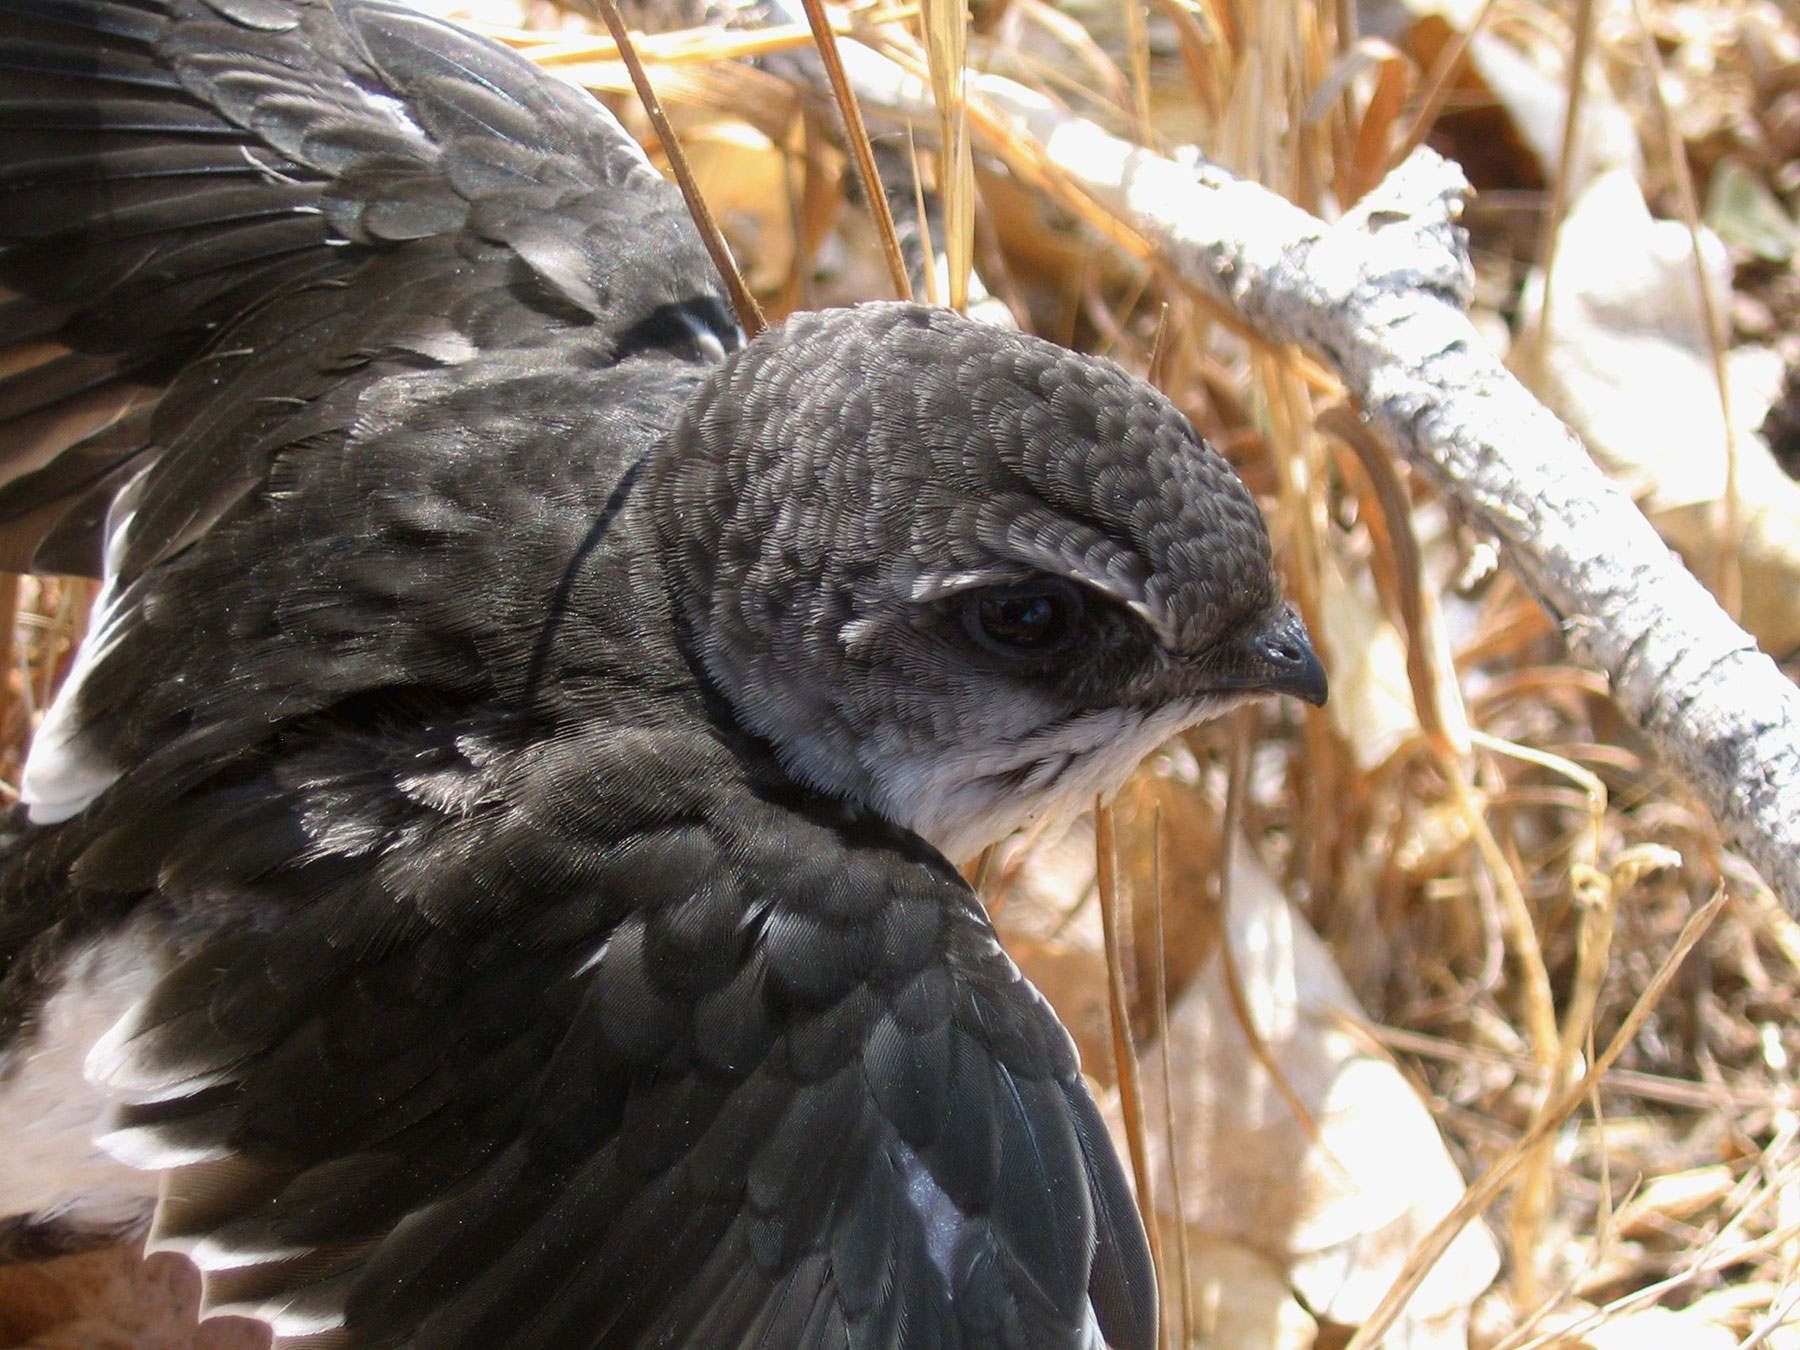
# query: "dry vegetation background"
1303, 1107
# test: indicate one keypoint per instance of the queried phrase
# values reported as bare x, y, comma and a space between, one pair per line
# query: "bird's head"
962, 575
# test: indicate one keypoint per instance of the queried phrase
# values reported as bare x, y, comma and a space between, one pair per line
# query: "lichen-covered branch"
1382, 296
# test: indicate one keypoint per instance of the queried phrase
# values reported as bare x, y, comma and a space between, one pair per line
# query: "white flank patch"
943, 1221
62, 774
52, 1167
1090, 1328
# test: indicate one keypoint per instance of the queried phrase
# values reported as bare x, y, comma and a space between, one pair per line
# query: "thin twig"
1728, 578
1565, 166
1131, 1097
1159, 1009
1437, 90
749, 313
945, 25
862, 154
1137, 42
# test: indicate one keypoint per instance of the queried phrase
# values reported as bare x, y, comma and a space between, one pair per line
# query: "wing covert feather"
394, 1130
169, 171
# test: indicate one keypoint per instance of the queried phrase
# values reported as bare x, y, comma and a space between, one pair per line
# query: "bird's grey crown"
835, 487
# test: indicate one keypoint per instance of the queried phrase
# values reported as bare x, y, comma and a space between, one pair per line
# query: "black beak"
1281, 660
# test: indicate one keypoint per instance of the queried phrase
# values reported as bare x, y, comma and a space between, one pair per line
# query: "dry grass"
1504, 903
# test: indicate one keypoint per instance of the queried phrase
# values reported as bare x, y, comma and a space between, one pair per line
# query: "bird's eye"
1033, 618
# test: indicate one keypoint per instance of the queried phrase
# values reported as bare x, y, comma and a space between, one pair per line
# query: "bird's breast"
59, 1190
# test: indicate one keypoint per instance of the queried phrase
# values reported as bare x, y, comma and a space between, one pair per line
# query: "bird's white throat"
962, 799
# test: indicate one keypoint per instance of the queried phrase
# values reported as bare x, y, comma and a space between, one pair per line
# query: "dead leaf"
1241, 1300
1660, 1327
1626, 362
1310, 1148
1674, 1198
1372, 707
1746, 214
1505, 120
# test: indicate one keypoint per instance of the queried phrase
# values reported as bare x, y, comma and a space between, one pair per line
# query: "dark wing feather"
171, 175
419, 1118
281, 268
522, 1004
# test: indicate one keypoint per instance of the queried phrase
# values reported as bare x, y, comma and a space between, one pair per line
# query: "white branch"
1382, 295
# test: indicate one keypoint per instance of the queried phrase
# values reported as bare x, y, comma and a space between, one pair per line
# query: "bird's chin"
962, 801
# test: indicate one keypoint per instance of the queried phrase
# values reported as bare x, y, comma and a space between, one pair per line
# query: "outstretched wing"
521, 1004
168, 170
608, 1050
237, 234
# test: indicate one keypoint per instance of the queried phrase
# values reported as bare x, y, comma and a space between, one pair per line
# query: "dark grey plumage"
518, 723
825, 603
